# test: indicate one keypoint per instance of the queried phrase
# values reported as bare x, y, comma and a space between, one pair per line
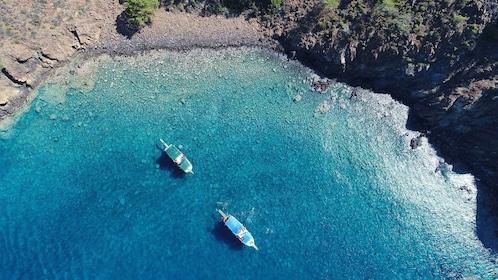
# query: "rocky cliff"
438, 57
37, 37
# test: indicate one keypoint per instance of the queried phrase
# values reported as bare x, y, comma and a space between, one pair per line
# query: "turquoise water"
87, 194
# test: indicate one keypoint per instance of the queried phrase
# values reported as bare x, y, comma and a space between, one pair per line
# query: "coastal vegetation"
140, 11
331, 4
227, 7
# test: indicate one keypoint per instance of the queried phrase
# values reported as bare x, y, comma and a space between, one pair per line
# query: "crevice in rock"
75, 34
14, 80
47, 56
20, 60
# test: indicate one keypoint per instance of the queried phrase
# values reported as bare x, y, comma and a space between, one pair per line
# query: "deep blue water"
86, 193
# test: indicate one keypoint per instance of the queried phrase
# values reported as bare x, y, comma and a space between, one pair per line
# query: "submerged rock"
416, 142
320, 84
324, 107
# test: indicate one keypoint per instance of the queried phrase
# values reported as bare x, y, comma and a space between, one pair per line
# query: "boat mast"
225, 216
164, 143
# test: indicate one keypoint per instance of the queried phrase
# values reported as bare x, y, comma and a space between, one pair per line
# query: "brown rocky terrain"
40, 36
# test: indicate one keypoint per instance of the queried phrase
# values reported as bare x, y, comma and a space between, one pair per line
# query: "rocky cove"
444, 69
439, 58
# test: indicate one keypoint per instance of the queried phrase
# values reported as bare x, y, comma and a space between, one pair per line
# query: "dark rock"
320, 84
416, 142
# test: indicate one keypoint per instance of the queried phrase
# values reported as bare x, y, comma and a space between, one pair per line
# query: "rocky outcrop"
42, 36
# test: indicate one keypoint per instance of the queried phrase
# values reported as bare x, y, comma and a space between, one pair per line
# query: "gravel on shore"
176, 31
184, 31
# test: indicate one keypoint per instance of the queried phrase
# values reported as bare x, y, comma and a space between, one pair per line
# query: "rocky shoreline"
26, 66
444, 66
213, 32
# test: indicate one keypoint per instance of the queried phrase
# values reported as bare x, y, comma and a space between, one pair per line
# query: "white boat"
178, 157
238, 229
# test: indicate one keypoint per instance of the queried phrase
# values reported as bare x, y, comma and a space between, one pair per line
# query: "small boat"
238, 229
178, 157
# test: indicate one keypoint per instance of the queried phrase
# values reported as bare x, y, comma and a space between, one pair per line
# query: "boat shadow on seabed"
222, 233
165, 163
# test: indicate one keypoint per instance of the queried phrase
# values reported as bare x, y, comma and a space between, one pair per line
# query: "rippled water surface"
86, 193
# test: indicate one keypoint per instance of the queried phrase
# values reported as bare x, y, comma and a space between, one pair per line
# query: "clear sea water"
86, 193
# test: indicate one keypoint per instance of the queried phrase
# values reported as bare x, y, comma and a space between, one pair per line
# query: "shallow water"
87, 193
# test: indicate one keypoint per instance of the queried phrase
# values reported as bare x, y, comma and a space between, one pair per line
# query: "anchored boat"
238, 229
178, 157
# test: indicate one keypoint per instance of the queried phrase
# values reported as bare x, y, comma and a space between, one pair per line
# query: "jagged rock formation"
39, 36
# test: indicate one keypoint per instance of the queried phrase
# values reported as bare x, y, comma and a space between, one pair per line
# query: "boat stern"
186, 166
248, 240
